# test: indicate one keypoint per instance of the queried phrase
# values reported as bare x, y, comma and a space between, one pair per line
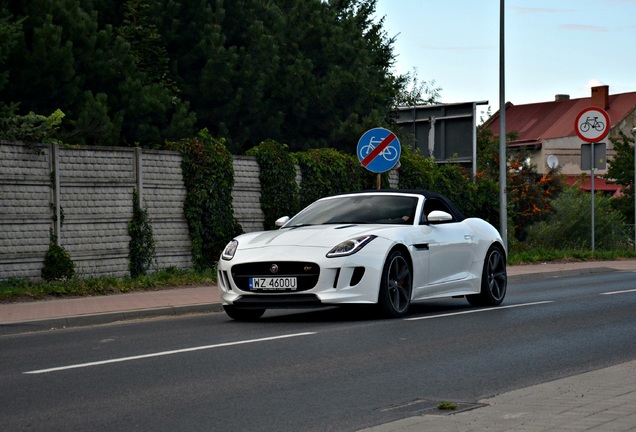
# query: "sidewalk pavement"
602, 400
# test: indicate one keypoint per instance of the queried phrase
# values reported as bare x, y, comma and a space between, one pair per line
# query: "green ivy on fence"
279, 190
208, 175
327, 172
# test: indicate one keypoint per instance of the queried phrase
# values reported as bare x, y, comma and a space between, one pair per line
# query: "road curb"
537, 276
105, 318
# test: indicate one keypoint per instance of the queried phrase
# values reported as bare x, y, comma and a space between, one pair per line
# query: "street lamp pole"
503, 205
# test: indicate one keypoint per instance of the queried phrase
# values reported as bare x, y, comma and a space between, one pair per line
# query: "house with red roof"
547, 129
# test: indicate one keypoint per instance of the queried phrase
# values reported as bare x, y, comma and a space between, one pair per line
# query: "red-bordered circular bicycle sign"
592, 124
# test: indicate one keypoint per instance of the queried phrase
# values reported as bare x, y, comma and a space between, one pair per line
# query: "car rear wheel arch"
396, 283
494, 278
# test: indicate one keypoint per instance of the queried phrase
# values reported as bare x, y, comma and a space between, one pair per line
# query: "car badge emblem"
273, 268
307, 268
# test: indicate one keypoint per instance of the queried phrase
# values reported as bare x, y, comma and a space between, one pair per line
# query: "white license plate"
277, 283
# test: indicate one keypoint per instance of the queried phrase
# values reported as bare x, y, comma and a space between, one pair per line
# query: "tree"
311, 73
66, 58
416, 92
9, 35
621, 171
529, 193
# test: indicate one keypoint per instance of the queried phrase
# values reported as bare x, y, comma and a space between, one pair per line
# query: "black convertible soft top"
457, 215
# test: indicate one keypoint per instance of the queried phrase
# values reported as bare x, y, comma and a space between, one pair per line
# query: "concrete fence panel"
91, 189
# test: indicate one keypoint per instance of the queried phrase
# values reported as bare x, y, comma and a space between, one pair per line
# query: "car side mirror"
281, 221
438, 216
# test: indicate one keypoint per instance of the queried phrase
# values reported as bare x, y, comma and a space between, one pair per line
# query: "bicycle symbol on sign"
389, 153
592, 122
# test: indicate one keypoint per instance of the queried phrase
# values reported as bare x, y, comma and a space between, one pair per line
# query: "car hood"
311, 236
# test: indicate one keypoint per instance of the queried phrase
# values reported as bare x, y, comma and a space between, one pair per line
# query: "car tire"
241, 314
396, 286
494, 279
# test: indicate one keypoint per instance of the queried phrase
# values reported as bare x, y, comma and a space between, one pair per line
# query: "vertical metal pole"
503, 207
474, 141
592, 189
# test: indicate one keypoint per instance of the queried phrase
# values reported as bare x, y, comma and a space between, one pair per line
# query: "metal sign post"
592, 125
592, 190
593, 158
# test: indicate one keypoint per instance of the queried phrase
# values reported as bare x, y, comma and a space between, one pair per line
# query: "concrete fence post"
139, 173
55, 165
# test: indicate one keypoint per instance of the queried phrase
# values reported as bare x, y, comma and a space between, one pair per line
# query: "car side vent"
226, 281
357, 275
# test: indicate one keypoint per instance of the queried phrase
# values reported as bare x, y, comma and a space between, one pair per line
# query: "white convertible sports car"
386, 248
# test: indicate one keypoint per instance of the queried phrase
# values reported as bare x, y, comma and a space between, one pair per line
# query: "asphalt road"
327, 370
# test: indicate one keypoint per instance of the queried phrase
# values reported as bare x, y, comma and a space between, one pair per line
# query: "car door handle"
468, 237
421, 246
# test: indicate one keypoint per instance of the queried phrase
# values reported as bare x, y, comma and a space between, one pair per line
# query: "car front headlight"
349, 247
230, 250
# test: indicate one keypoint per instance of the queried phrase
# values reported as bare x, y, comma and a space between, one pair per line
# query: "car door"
450, 252
450, 249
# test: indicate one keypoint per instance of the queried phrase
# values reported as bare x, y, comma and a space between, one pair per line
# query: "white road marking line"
619, 292
478, 310
165, 353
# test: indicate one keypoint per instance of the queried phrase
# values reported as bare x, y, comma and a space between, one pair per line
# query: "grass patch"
447, 406
535, 256
17, 289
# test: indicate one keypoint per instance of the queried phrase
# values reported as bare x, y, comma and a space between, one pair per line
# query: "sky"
551, 47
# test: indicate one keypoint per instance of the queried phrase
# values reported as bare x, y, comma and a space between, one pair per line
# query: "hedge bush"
208, 175
279, 190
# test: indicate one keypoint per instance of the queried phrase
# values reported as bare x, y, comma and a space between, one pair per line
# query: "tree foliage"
529, 193
621, 171
277, 176
474, 198
10, 29
416, 92
68, 57
309, 73
208, 175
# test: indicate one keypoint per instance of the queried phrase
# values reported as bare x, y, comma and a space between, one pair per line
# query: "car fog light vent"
357, 275
226, 281
335, 280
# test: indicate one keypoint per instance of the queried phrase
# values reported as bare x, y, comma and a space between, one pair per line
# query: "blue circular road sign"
379, 150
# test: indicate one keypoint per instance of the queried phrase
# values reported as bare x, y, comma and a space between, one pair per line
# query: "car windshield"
358, 209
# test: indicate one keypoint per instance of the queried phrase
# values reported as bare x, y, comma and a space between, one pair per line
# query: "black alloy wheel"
396, 286
494, 279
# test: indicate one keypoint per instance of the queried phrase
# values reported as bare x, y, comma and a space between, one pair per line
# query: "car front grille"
306, 273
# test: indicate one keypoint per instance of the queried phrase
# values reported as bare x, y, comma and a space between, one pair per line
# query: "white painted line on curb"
165, 353
478, 310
